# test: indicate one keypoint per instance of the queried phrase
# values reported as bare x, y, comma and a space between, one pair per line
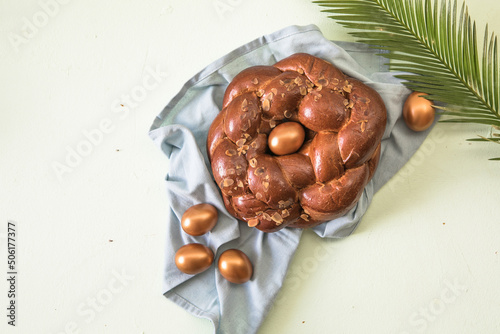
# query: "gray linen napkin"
180, 131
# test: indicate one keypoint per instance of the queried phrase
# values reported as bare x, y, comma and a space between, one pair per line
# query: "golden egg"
418, 112
235, 266
286, 138
194, 258
199, 219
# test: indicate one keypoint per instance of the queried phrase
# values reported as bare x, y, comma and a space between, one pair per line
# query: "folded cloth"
181, 131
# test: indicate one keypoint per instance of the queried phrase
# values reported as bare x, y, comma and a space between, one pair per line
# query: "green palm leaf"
437, 48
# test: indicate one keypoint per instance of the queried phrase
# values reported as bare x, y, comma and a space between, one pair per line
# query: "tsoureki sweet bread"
328, 128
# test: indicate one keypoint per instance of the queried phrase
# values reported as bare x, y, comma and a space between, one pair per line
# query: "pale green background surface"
424, 258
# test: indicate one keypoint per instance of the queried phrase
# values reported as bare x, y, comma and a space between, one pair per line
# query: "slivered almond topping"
231, 171
230, 153
287, 113
253, 162
277, 219
319, 87
240, 184
255, 81
253, 222
240, 142
300, 70
363, 125
266, 185
266, 105
283, 95
305, 217
274, 91
272, 123
258, 196
227, 182
285, 204
303, 90
285, 213
243, 149
298, 81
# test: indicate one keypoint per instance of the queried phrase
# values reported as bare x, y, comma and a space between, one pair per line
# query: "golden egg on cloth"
286, 138
235, 266
418, 112
194, 258
199, 219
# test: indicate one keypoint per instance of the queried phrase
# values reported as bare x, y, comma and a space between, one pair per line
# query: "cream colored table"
81, 83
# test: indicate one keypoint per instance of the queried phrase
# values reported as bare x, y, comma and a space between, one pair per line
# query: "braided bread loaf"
343, 119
